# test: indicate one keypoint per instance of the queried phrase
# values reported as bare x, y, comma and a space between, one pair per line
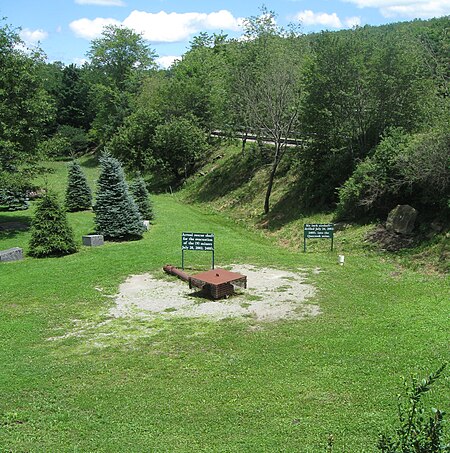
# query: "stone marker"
13, 254
401, 219
93, 240
146, 224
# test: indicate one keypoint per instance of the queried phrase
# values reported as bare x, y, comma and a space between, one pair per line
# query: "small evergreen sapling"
142, 198
78, 193
51, 234
116, 214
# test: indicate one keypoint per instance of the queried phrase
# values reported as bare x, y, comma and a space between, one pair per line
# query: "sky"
64, 29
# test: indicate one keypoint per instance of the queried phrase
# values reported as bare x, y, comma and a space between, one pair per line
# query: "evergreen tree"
116, 214
51, 234
78, 193
142, 198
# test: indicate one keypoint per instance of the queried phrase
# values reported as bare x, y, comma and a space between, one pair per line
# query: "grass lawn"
197, 385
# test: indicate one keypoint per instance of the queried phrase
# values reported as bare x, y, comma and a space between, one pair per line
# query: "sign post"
203, 242
318, 231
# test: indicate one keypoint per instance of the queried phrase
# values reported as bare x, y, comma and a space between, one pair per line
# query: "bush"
116, 214
51, 234
78, 193
67, 142
417, 433
142, 198
404, 169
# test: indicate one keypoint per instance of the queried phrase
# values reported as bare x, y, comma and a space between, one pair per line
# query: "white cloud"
162, 26
407, 8
167, 61
354, 21
33, 36
101, 2
79, 61
90, 29
308, 17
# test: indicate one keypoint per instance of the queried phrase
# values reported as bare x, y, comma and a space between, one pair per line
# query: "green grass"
196, 385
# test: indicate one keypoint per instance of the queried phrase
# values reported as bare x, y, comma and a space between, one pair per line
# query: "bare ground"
272, 294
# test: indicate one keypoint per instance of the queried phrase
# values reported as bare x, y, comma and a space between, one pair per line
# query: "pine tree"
78, 193
51, 234
142, 198
116, 214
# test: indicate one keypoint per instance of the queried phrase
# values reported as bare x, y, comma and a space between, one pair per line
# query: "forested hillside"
368, 109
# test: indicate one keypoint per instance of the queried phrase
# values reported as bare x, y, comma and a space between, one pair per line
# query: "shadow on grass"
234, 172
13, 225
90, 162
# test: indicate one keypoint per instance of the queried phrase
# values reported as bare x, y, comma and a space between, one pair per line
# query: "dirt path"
272, 294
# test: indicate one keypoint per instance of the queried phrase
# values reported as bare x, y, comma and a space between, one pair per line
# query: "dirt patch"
272, 294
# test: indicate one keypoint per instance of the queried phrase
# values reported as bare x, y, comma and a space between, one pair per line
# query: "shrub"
417, 433
142, 198
51, 234
116, 214
404, 169
78, 193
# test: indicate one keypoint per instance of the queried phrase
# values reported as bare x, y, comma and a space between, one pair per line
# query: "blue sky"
65, 28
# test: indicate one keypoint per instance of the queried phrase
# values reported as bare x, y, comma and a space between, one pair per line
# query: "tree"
133, 143
25, 110
116, 214
51, 234
119, 60
142, 198
179, 144
78, 193
266, 85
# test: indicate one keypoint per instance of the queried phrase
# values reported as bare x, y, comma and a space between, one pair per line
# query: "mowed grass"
198, 385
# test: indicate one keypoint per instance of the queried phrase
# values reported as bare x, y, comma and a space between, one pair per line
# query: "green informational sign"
317, 231
202, 242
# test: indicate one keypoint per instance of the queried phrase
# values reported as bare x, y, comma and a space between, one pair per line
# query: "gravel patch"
271, 295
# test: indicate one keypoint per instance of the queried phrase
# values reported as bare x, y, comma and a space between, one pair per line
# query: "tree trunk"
275, 163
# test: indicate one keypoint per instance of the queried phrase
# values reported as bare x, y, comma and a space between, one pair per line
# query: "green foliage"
179, 145
51, 234
142, 198
78, 193
133, 143
25, 109
359, 83
14, 198
417, 433
119, 60
404, 168
116, 214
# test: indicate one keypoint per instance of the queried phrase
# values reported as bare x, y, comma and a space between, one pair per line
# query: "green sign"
202, 242
318, 231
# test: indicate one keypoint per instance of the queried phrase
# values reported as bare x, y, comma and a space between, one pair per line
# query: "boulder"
93, 240
401, 219
13, 254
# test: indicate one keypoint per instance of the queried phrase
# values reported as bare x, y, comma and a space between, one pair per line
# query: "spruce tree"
78, 193
51, 234
142, 198
116, 214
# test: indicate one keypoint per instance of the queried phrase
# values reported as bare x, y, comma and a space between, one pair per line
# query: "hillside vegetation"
369, 108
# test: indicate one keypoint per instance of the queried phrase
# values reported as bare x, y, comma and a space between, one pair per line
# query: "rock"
93, 240
13, 254
146, 224
401, 219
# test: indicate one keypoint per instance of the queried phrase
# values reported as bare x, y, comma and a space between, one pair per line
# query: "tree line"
369, 107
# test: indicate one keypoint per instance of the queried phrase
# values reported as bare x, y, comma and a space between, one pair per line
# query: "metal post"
213, 259
332, 238
182, 259
304, 244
